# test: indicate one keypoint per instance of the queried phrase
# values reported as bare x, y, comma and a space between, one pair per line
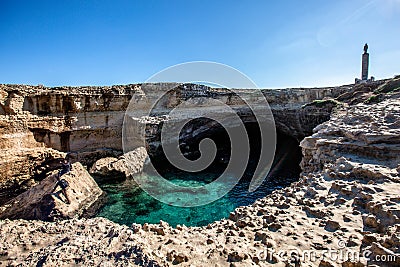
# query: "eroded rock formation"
88, 121
129, 164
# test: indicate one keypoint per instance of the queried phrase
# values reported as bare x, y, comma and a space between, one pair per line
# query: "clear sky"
276, 43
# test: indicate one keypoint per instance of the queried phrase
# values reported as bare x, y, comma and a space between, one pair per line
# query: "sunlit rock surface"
128, 164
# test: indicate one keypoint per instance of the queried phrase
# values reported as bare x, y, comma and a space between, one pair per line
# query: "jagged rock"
379, 252
104, 167
158, 230
92, 242
179, 258
133, 161
235, 256
42, 203
261, 236
324, 263
352, 264
368, 239
130, 163
176, 257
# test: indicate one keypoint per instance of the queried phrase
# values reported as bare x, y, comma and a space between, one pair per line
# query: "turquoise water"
129, 204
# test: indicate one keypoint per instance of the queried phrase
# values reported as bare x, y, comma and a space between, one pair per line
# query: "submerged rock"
42, 203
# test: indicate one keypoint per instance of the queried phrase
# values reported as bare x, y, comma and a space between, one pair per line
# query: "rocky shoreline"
344, 210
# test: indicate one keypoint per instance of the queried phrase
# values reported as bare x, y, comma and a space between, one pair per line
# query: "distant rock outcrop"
42, 203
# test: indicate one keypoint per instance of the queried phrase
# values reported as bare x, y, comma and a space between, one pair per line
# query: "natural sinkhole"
127, 203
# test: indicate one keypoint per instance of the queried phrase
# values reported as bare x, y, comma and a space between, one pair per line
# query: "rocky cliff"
38, 123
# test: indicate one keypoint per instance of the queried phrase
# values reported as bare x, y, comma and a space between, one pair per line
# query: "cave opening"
129, 204
286, 161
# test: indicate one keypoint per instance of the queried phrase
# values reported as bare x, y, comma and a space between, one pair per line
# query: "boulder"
42, 203
105, 167
130, 163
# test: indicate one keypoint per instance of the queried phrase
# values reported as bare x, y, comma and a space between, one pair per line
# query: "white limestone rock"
130, 163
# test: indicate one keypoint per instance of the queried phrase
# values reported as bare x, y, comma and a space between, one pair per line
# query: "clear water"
129, 204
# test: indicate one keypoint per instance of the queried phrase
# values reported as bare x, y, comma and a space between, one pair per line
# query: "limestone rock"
133, 161
380, 252
82, 242
235, 256
41, 203
130, 163
104, 167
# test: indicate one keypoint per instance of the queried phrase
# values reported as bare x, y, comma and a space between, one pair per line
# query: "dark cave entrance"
286, 160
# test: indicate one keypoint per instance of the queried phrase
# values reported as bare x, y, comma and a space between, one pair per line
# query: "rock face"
104, 167
42, 203
130, 163
90, 118
358, 152
21, 155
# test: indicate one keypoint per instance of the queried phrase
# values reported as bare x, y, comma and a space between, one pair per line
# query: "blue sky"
276, 43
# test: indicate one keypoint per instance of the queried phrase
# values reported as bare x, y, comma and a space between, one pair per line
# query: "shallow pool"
129, 204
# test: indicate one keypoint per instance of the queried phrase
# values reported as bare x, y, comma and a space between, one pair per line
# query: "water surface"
129, 204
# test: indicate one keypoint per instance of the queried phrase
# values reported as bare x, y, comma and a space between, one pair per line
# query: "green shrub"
372, 99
